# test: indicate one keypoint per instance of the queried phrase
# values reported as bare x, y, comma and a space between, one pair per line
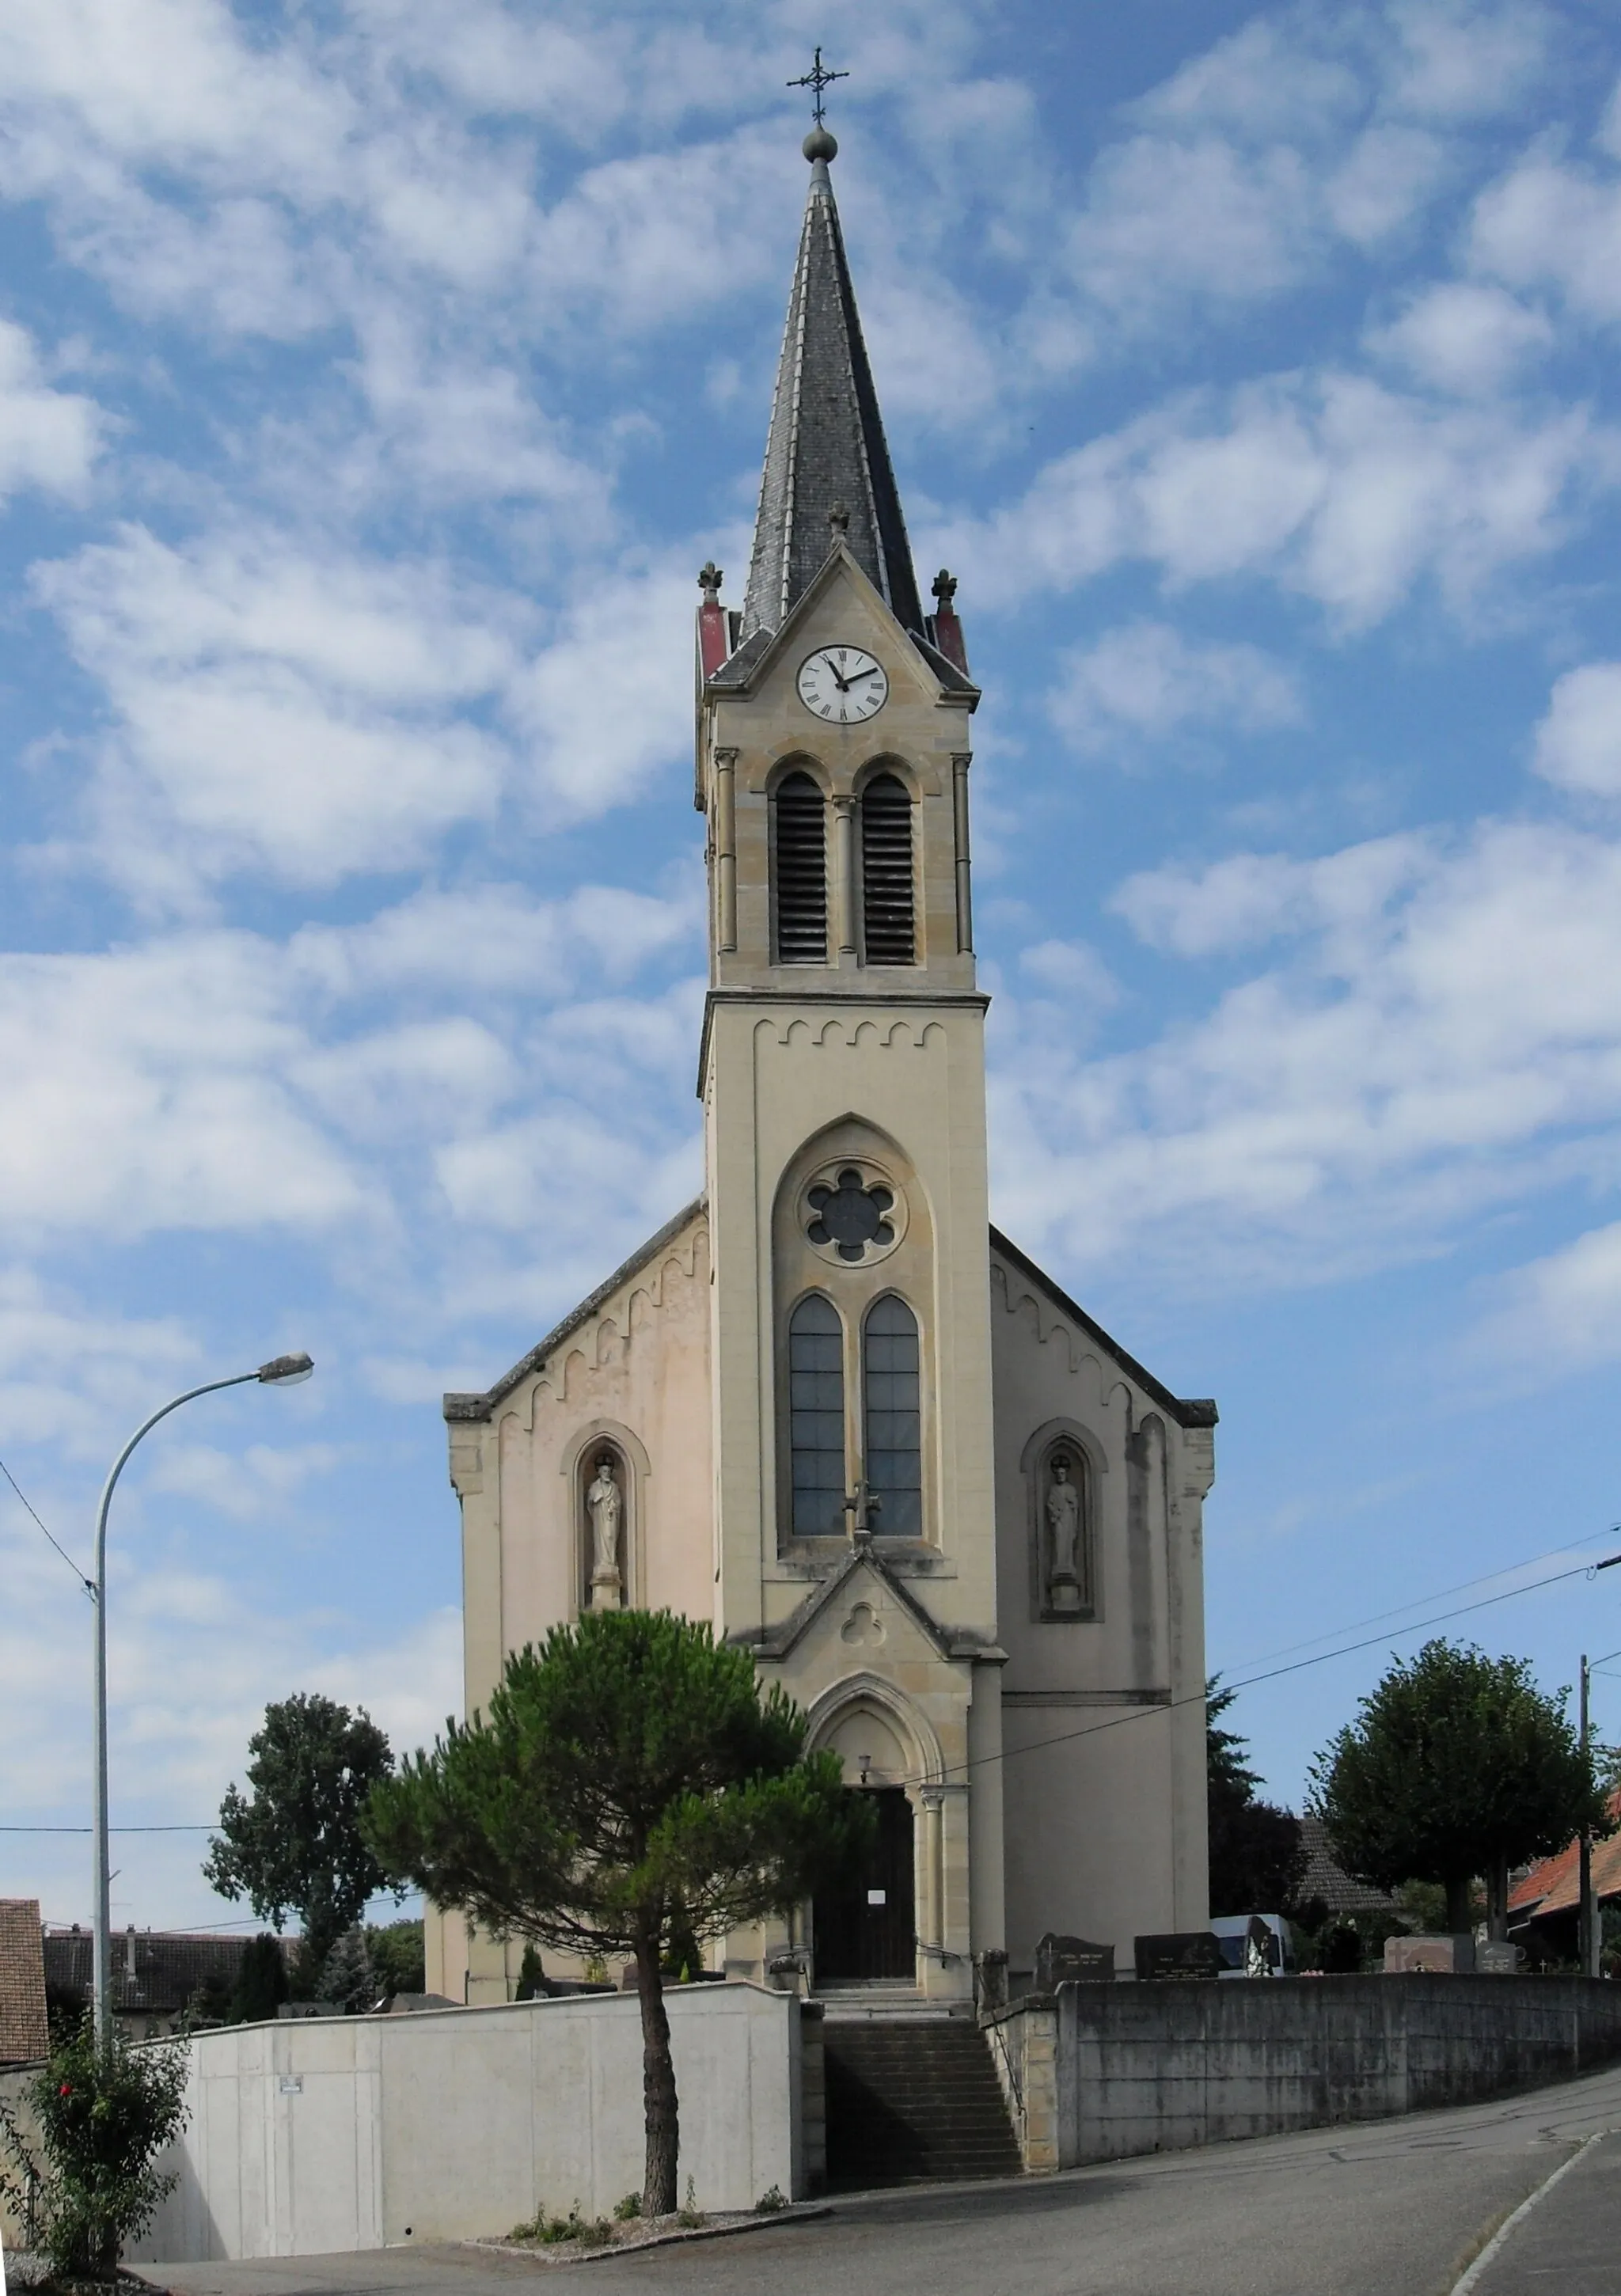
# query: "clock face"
843, 684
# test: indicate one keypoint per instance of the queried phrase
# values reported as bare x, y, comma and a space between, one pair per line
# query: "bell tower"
842, 1073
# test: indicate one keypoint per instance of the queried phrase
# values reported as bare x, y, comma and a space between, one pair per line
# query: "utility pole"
1586, 1926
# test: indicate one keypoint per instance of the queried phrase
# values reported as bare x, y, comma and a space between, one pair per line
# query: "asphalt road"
1396, 2207
1570, 2242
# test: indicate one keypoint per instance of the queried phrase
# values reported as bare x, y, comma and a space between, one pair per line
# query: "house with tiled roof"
1326, 1883
1545, 1907
22, 1982
157, 1975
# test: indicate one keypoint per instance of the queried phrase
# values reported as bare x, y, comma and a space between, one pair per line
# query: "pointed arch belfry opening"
799, 871
888, 897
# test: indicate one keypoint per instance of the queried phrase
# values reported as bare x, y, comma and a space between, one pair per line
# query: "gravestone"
1434, 1957
1497, 1957
1180, 1956
1072, 1961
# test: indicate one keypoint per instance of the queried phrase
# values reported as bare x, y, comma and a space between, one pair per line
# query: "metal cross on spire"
816, 79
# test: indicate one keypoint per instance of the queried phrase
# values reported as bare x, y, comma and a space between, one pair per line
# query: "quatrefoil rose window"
850, 1215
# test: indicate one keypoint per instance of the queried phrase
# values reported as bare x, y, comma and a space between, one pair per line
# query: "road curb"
1470, 2277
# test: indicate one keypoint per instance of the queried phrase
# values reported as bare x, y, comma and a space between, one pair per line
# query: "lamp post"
1590, 1929
283, 1370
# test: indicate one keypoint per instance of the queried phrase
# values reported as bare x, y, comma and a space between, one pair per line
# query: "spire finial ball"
821, 143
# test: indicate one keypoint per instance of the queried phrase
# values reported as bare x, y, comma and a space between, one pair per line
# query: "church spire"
827, 464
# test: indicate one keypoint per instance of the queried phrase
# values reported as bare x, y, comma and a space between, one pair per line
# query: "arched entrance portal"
864, 1920
863, 1925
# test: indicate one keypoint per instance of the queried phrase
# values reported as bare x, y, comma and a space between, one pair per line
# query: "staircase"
912, 2096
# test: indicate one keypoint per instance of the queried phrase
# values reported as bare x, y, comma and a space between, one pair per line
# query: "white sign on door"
878, 1898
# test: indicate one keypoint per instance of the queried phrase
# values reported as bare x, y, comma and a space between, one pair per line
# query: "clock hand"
874, 672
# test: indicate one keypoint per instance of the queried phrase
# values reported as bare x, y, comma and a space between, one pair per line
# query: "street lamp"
283, 1371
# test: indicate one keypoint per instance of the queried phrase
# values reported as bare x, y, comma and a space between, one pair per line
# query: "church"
828, 1406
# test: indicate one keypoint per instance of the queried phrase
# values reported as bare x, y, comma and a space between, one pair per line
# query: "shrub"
770, 2203
103, 2116
628, 2208
689, 2215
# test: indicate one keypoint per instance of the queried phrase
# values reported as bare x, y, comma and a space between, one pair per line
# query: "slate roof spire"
826, 457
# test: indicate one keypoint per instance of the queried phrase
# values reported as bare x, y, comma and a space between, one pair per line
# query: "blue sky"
375, 376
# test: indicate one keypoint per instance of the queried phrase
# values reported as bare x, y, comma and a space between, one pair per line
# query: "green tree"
347, 1979
1456, 1764
261, 1981
297, 1846
103, 2116
531, 1975
629, 1777
1256, 1854
395, 1948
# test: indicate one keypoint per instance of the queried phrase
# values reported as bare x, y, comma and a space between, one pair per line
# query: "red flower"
66, 2089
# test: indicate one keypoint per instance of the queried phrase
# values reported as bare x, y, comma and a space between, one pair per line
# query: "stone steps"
911, 2098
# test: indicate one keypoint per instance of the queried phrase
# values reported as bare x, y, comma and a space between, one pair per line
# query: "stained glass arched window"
815, 1410
891, 1411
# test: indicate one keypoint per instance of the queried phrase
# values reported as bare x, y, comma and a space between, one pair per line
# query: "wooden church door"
864, 1924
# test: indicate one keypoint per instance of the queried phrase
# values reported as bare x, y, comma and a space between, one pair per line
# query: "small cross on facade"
816, 79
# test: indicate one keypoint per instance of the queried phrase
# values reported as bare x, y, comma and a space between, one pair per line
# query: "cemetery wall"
1152, 2068
312, 2136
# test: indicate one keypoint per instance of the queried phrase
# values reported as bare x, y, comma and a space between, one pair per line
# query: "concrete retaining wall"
350, 2133
1155, 2068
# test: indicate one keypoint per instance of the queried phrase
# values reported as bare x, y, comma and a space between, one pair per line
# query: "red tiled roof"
1552, 1886
23, 2033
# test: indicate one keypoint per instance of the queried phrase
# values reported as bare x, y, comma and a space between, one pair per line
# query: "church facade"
828, 1406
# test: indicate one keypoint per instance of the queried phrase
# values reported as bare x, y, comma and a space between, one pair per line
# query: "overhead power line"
87, 1584
1272, 1674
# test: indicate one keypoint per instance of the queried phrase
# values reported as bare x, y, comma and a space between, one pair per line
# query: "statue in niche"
606, 1508
1062, 1509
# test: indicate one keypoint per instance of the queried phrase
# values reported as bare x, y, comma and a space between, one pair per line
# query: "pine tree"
348, 1978
629, 1781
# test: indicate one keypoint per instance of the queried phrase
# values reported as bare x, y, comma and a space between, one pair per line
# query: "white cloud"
49, 438
1388, 174
1144, 683
1445, 1036
1463, 338
1071, 970
609, 700
245, 1485
1465, 62
277, 710
1167, 220
309, 714
146, 1089
70, 1377
1330, 484
498, 940
1252, 897
1578, 743
1260, 81
1551, 222
1562, 1311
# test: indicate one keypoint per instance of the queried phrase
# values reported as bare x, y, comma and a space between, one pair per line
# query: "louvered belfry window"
886, 872
801, 872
